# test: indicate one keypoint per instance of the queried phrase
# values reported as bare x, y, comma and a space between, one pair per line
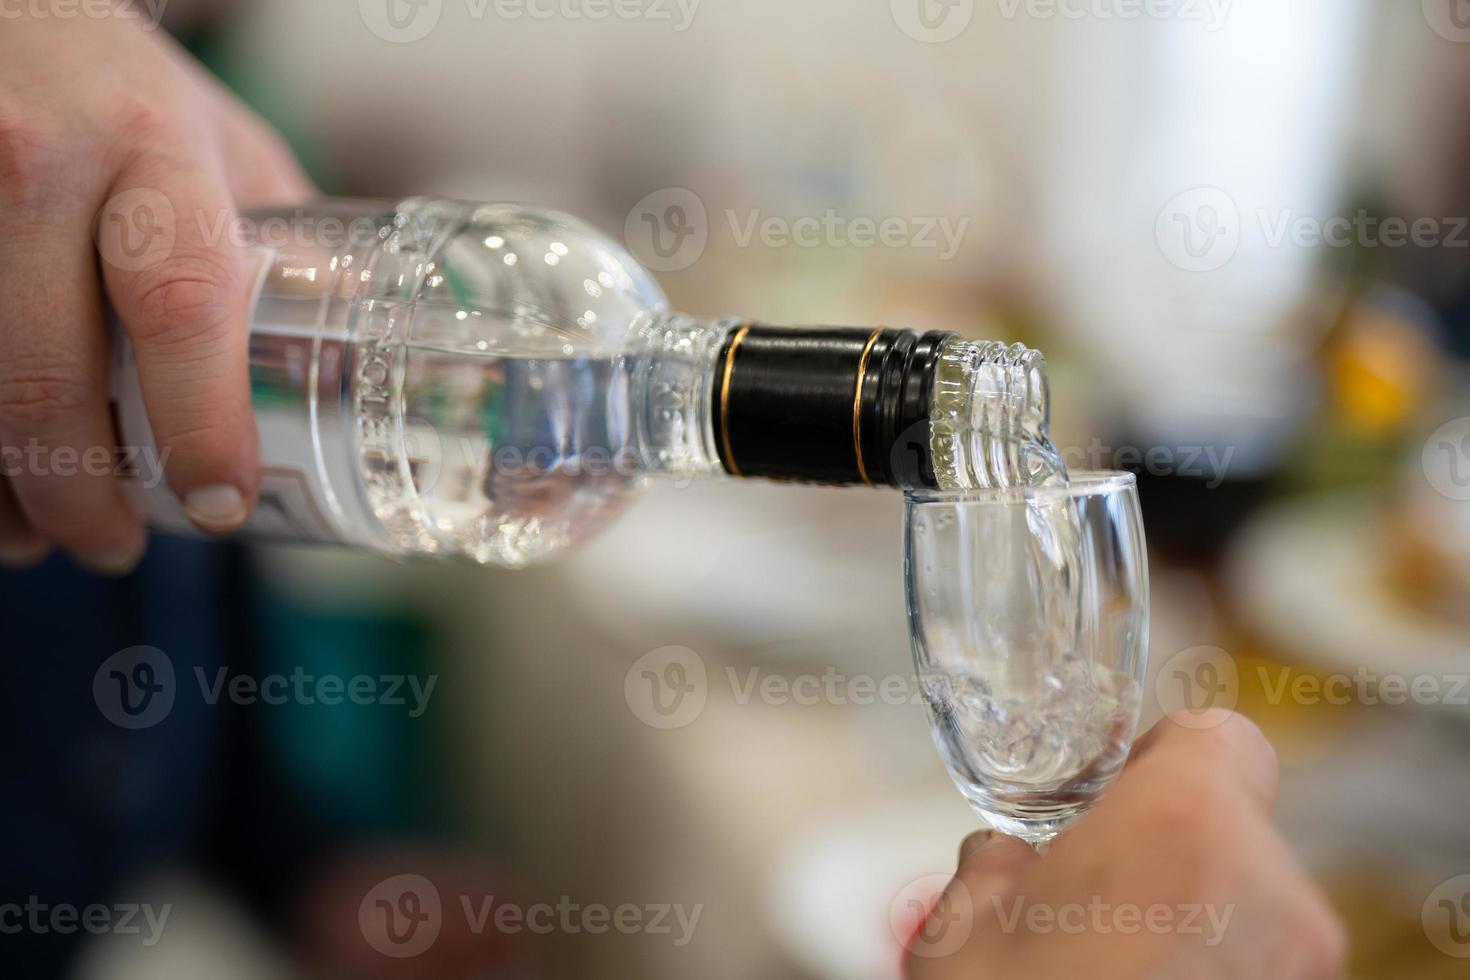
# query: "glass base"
1037, 826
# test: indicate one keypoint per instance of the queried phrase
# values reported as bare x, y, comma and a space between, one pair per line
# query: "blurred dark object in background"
1192, 519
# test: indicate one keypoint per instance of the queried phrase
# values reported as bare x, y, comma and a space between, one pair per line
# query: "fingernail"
216, 508
20, 555
974, 842
111, 562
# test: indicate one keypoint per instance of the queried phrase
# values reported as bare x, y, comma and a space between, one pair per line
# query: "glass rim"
1084, 483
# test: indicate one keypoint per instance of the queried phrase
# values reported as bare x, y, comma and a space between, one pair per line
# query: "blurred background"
1237, 228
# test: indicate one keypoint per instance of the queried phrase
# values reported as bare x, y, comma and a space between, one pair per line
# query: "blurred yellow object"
1383, 370
1302, 732
1380, 907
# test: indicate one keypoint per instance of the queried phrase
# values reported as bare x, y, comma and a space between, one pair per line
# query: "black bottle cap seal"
834, 405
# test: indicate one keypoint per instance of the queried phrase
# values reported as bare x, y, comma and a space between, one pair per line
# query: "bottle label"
291, 493
296, 502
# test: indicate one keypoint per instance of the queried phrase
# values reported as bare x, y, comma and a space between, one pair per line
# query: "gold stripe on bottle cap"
730, 463
857, 407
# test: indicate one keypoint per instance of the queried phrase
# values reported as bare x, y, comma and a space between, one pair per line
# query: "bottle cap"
832, 405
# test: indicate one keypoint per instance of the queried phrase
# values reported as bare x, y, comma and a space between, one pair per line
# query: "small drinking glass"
1028, 612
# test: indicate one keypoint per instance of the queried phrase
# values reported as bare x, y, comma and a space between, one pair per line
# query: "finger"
990, 870
991, 864
259, 166
54, 420
20, 546
181, 290
974, 841
1219, 742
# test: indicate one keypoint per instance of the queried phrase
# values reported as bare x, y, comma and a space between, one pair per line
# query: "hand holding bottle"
103, 128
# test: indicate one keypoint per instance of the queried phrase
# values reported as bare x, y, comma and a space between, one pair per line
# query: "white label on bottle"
292, 493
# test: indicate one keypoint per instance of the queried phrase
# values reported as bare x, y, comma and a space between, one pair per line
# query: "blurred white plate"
832, 899
1309, 573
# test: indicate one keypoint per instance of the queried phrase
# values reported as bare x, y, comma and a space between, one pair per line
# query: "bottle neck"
839, 405
990, 416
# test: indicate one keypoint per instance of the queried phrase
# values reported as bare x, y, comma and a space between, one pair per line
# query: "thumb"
991, 865
990, 869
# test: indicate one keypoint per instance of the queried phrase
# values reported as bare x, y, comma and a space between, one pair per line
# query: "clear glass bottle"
496, 381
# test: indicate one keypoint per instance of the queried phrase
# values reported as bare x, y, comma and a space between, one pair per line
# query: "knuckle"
28, 149
142, 123
185, 303
203, 437
36, 396
1238, 730
1218, 734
